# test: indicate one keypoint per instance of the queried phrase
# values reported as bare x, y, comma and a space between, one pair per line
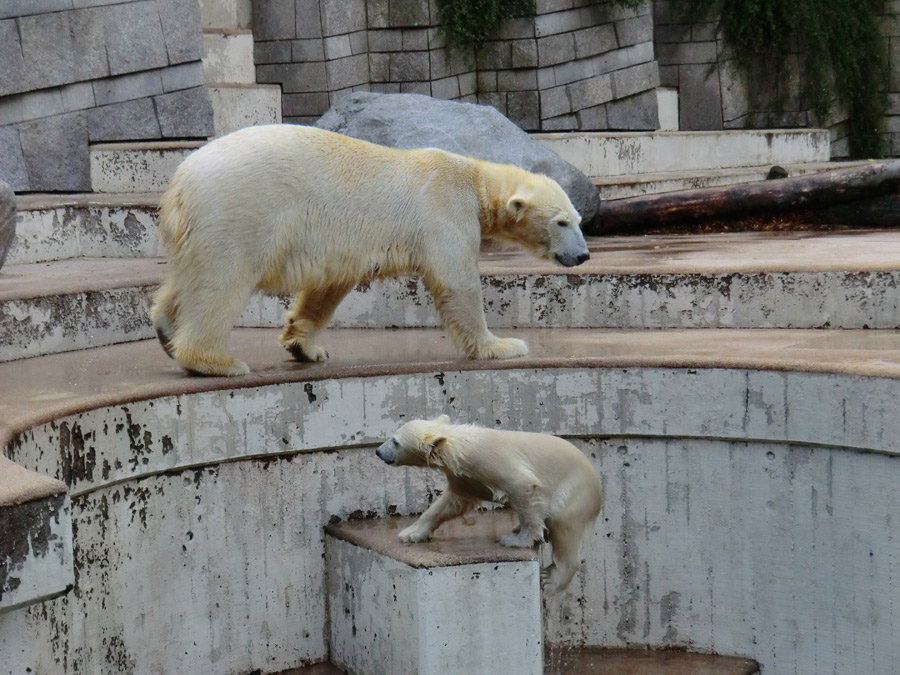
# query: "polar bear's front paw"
307, 353
502, 348
520, 539
414, 534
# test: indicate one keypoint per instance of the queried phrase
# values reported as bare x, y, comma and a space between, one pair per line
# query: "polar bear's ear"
515, 207
434, 450
443, 419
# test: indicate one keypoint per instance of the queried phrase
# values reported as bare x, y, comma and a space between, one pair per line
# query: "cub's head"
540, 216
416, 443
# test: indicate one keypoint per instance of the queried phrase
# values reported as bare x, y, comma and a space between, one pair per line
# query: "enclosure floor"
43, 388
564, 661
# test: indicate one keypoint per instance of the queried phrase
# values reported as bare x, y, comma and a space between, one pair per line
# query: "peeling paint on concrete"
67, 322
65, 232
35, 551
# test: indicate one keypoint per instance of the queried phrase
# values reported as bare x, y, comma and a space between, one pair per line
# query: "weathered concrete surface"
54, 227
610, 154
243, 105
559, 660
415, 121
746, 510
7, 220
228, 57
799, 280
35, 551
137, 167
479, 617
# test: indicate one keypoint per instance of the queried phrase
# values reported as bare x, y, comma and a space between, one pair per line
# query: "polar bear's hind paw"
307, 354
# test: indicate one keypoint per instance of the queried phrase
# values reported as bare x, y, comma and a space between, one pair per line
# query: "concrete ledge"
228, 57
460, 605
137, 167
614, 154
36, 560
799, 280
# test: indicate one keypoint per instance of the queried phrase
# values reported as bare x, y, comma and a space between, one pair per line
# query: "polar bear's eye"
562, 223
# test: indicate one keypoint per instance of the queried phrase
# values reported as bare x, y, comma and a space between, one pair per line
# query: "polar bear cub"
546, 480
303, 211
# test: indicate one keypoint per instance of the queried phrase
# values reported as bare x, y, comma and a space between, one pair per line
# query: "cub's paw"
307, 353
414, 534
230, 368
502, 348
519, 539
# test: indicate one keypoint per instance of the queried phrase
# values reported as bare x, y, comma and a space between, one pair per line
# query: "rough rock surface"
416, 121
7, 219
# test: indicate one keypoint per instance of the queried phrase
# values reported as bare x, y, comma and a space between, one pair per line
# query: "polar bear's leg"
163, 315
447, 507
313, 308
461, 307
207, 313
531, 510
565, 538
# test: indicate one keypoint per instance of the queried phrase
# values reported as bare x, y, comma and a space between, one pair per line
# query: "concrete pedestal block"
236, 106
460, 604
229, 57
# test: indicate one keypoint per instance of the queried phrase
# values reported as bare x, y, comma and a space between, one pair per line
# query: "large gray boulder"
7, 219
416, 121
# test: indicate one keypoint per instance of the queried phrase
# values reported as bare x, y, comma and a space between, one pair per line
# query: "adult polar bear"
298, 210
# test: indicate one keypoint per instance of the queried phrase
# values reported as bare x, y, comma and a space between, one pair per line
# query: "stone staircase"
711, 343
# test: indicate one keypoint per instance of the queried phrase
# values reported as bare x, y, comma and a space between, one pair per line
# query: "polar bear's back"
314, 197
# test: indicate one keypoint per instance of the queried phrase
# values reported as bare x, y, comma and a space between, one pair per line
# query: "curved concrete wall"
747, 512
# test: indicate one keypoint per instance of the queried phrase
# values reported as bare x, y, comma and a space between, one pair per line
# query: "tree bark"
803, 195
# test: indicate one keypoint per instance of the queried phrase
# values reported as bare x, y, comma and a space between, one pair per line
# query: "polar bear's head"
416, 443
541, 217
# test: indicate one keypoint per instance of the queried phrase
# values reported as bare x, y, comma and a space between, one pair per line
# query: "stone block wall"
715, 94
573, 65
74, 72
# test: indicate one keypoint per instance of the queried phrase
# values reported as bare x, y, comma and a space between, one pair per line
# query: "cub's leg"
313, 308
458, 298
447, 507
565, 538
207, 311
531, 510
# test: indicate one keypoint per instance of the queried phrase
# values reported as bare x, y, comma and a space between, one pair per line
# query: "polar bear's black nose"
584, 256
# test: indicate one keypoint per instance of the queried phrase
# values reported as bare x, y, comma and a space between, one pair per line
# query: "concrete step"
748, 280
228, 56
61, 227
457, 605
236, 106
225, 14
600, 154
137, 167
620, 187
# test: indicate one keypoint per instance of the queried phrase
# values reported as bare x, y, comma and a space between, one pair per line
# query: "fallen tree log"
782, 197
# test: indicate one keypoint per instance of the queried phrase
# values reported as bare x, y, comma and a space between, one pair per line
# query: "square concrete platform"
460, 604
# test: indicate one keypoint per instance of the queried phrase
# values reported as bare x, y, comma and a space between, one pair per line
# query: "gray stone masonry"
76, 72
545, 67
7, 220
715, 94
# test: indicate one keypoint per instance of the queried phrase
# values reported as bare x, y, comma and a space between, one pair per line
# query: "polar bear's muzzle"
572, 260
387, 451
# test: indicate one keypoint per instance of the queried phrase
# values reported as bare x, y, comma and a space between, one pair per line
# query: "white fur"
298, 210
546, 480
